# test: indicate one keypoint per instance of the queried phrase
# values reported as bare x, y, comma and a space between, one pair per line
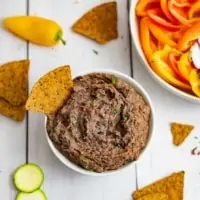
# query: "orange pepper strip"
188, 37
194, 8
194, 20
177, 12
195, 82
153, 45
182, 4
145, 38
142, 5
164, 7
160, 35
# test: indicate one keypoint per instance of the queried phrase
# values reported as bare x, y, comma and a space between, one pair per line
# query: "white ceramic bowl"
135, 37
139, 88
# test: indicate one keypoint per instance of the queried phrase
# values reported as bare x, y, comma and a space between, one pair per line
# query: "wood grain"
60, 182
12, 134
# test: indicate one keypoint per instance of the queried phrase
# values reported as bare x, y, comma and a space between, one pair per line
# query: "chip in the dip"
16, 113
172, 186
50, 91
103, 125
180, 132
99, 24
154, 196
14, 82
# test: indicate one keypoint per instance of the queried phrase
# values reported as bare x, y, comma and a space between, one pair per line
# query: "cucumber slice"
28, 178
37, 195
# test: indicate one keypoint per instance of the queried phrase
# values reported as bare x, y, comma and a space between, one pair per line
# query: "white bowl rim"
139, 89
164, 84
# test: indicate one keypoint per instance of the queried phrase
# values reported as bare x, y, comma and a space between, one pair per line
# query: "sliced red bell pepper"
164, 7
178, 13
143, 5
192, 1
172, 61
156, 16
190, 35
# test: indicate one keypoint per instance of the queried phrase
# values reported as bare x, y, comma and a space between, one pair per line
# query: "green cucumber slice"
36, 195
28, 178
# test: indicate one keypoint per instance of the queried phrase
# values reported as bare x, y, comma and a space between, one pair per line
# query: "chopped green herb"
114, 80
118, 111
125, 118
199, 75
95, 51
73, 121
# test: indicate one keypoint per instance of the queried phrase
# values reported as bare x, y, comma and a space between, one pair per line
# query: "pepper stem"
59, 37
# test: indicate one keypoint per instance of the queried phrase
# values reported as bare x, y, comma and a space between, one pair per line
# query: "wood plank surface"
60, 182
12, 134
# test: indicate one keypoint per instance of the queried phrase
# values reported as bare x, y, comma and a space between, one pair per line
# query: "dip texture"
103, 125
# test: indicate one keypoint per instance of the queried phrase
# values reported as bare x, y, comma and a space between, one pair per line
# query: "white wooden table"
25, 142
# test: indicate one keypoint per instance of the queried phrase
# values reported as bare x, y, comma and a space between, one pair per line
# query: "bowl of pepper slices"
166, 35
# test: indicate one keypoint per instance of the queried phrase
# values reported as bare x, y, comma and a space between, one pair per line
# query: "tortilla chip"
14, 82
16, 113
180, 132
172, 186
155, 196
51, 91
99, 24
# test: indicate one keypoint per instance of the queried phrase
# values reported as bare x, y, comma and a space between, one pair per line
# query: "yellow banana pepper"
184, 65
37, 30
195, 82
161, 67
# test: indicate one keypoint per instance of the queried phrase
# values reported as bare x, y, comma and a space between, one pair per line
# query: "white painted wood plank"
12, 134
61, 183
163, 158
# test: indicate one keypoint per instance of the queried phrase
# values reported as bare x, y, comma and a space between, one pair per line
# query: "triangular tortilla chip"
172, 186
51, 91
16, 113
14, 82
99, 24
154, 196
180, 132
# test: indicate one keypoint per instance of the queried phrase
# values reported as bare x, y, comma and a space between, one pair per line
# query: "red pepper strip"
177, 13
154, 15
172, 61
142, 6
164, 7
192, 1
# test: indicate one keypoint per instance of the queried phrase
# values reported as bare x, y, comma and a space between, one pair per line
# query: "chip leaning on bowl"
99, 121
169, 33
